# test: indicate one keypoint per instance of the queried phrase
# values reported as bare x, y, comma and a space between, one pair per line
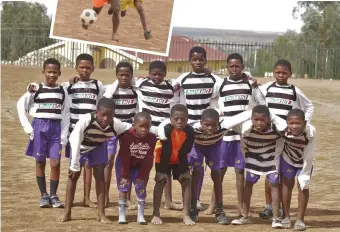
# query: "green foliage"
25, 28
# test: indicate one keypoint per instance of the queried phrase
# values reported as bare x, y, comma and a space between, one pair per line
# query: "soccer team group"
175, 124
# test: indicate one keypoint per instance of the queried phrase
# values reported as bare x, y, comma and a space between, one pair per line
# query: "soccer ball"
88, 17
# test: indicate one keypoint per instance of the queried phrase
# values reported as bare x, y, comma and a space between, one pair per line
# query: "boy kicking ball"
138, 4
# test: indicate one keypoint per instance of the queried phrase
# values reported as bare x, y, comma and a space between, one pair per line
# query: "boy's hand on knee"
73, 174
184, 176
140, 182
124, 182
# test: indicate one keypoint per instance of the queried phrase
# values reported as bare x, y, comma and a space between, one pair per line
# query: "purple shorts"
273, 178
231, 155
140, 189
287, 170
112, 146
94, 157
46, 141
211, 154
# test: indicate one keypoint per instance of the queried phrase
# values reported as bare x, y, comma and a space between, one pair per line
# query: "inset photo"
139, 25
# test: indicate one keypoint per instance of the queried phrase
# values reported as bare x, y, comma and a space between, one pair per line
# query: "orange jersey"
178, 137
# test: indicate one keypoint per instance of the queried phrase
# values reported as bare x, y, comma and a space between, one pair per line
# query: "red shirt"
135, 152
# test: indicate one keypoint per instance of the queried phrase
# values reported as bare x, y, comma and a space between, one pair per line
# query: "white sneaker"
286, 223
241, 221
277, 224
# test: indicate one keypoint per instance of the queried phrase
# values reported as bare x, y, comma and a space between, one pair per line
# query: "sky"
257, 15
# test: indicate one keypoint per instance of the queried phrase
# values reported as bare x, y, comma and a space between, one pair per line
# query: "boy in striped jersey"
84, 94
126, 100
297, 160
88, 139
134, 163
49, 129
262, 145
235, 95
208, 137
281, 97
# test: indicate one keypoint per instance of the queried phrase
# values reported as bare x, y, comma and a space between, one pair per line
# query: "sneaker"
222, 219
45, 201
199, 206
267, 213
56, 203
276, 223
193, 214
241, 221
286, 223
147, 35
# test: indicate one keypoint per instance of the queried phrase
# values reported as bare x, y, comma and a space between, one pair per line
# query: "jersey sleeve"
32, 83
305, 104
231, 122
110, 89
178, 80
23, 107
257, 97
161, 131
65, 85
65, 121
101, 90
217, 86
120, 127
308, 155
76, 138
279, 123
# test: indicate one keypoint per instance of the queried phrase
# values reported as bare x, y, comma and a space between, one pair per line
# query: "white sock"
122, 213
141, 206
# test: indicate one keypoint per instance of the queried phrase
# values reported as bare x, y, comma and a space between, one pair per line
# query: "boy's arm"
23, 108
110, 89
257, 97
121, 127
305, 104
308, 155
280, 124
147, 163
230, 122
65, 121
101, 90
125, 155
161, 130
76, 138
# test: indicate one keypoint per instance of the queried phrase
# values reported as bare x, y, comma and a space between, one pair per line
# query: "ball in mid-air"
88, 17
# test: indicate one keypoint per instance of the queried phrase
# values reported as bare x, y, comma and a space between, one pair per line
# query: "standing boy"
49, 129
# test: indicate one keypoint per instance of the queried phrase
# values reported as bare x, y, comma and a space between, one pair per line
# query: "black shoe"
193, 215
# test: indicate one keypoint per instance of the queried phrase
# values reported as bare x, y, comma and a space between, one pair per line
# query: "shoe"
241, 221
56, 203
276, 224
221, 218
110, 11
45, 201
147, 35
267, 213
286, 223
193, 214
199, 206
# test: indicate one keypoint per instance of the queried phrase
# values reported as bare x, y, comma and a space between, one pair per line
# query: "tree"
321, 26
25, 28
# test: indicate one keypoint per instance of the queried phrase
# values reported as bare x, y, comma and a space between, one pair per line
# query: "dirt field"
131, 35
20, 195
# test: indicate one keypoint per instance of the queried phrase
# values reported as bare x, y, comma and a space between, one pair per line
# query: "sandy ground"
20, 194
158, 14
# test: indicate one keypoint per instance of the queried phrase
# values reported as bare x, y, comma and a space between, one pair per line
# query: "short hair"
106, 103
157, 64
52, 61
210, 114
124, 64
284, 63
84, 56
141, 116
261, 109
178, 108
235, 56
296, 112
198, 49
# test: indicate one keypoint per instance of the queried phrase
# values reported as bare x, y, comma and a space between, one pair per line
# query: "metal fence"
259, 58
